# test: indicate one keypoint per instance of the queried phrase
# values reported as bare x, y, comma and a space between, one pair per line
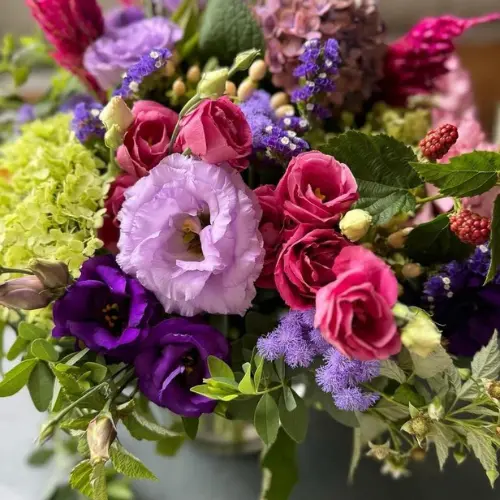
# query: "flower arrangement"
249, 209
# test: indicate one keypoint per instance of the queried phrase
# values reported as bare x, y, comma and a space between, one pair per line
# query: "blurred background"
324, 458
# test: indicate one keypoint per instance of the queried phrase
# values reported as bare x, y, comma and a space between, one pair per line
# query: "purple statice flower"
466, 310
295, 339
121, 48
25, 114
86, 123
147, 66
295, 123
189, 233
110, 312
173, 359
283, 143
341, 377
69, 104
317, 71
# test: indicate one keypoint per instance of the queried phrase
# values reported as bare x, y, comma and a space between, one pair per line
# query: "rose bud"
101, 433
244, 60
52, 274
116, 112
355, 224
421, 335
213, 84
26, 293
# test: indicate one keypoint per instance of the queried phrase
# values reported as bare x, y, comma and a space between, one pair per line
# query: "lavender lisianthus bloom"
189, 233
120, 48
111, 313
173, 359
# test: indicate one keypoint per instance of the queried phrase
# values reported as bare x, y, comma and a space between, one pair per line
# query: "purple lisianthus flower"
111, 313
173, 359
121, 17
189, 233
120, 48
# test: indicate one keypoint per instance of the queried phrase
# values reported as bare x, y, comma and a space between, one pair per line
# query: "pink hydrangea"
189, 233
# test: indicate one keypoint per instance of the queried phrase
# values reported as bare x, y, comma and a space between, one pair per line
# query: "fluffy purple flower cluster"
341, 377
86, 123
319, 66
465, 308
295, 339
147, 66
276, 137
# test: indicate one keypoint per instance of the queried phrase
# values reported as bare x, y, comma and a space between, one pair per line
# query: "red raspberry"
471, 227
438, 142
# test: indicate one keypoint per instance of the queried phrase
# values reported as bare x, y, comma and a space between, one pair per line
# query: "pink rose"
354, 312
217, 132
316, 189
270, 227
305, 265
147, 140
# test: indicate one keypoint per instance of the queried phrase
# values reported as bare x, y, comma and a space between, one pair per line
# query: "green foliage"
219, 368
142, 428
125, 463
484, 451
246, 385
17, 378
381, 166
295, 422
433, 242
190, 426
79, 478
390, 369
98, 482
437, 362
228, 28
44, 350
466, 175
267, 419
494, 242
41, 386
30, 332
486, 363
279, 464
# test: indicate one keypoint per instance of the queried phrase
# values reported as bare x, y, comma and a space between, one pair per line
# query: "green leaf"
78, 424
437, 362
190, 426
406, 394
18, 347
392, 411
465, 175
15, 379
40, 456
324, 401
294, 422
288, 398
79, 478
98, 481
443, 439
213, 392
68, 382
486, 362
246, 384
381, 166
357, 448
433, 242
279, 365
44, 350
30, 332
169, 447
492, 476
494, 242
267, 419
218, 368
142, 428
280, 470
390, 369
125, 463
41, 386
258, 373
483, 449
98, 371
228, 28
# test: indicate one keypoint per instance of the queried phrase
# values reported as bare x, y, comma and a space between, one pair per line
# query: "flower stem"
12, 270
438, 196
188, 107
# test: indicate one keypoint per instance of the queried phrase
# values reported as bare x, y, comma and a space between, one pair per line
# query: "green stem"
385, 396
271, 389
438, 196
188, 107
149, 7
13, 270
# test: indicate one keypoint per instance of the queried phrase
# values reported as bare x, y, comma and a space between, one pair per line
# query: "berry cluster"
438, 142
470, 227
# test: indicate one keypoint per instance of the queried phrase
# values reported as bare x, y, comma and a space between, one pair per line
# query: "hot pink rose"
217, 132
354, 312
305, 265
316, 189
147, 140
270, 227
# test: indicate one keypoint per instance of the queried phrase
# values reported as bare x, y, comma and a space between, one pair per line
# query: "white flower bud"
436, 410
257, 70
421, 335
213, 84
243, 60
285, 110
246, 89
117, 113
355, 224
279, 99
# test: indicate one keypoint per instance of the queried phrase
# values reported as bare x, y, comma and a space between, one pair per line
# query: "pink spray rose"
305, 265
147, 140
270, 227
217, 132
316, 189
354, 312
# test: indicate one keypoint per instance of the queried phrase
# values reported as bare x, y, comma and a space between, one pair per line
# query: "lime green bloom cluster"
405, 125
51, 196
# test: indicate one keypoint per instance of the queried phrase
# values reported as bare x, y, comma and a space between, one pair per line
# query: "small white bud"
421, 335
117, 113
355, 224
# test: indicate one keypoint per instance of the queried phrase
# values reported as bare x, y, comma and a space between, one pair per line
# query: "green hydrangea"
51, 196
405, 125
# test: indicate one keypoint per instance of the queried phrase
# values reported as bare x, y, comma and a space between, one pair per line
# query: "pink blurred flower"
70, 27
354, 312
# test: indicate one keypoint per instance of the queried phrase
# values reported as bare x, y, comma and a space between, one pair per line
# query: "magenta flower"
189, 233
